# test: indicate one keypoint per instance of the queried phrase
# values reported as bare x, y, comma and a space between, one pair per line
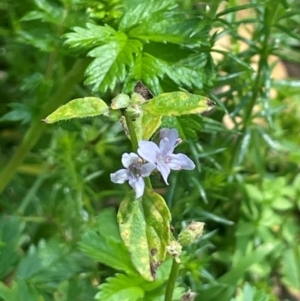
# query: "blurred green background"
55, 179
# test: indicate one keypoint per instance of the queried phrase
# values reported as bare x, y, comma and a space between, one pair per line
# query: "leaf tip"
45, 120
210, 103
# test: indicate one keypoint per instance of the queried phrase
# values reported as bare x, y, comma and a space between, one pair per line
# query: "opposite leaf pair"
160, 157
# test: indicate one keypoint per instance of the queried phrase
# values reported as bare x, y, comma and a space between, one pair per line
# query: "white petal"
119, 176
148, 150
168, 143
127, 159
146, 169
165, 171
180, 161
138, 185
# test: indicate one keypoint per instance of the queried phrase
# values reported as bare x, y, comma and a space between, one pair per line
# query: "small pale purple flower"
163, 155
134, 172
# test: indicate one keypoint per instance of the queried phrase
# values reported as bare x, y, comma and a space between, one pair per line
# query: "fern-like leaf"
90, 36
172, 27
111, 61
137, 14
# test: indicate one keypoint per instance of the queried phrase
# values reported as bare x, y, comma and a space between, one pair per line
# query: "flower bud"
121, 101
188, 296
138, 99
134, 111
188, 235
174, 249
113, 115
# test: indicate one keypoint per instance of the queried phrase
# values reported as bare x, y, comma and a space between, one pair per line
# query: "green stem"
37, 127
132, 133
134, 143
172, 281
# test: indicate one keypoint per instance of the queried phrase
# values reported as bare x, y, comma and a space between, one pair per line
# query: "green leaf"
49, 12
90, 36
148, 69
237, 271
19, 291
150, 124
187, 126
11, 229
122, 285
172, 27
236, 9
76, 289
144, 228
114, 291
109, 67
141, 12
250, 293
178, 103
48, 263
108, 225
79, 108
291, 267
106, 250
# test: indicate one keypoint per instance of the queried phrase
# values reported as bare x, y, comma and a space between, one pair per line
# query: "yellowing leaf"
79, 108
178, 103
145, 231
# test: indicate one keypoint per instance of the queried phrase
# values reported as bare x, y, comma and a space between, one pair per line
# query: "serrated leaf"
122, 286
11, 229
189, 71
146, 68
19, 291
75, 289
106, 250
141, 12
50, 262
78, 108
172, 27
109, 67
178, 103
144, 228
90, 36
152, 290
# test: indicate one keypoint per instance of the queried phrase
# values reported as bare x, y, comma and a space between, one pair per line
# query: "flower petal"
138, 186
180, 161
119, 176
148, 150
168, 141
128, 159
146, 169
165, 171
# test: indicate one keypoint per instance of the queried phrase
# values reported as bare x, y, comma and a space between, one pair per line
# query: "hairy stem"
37, 127
172, 280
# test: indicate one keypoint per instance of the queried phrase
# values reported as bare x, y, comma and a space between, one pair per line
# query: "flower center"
135, 168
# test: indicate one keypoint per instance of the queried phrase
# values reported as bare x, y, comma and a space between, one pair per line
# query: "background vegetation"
57, 203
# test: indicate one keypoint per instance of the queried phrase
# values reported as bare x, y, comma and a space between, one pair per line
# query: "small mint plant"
143, 216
